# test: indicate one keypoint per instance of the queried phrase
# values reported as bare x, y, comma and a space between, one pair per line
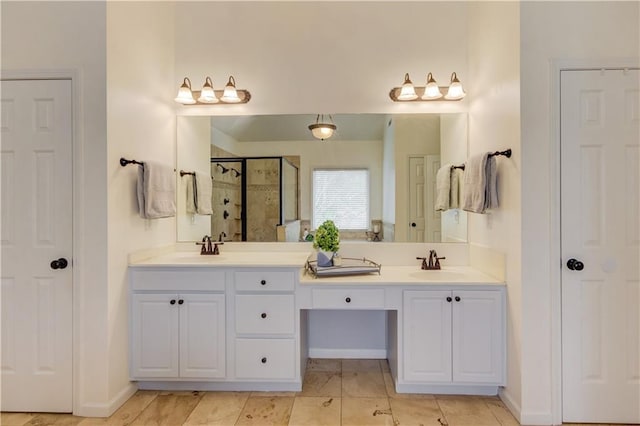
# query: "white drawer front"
265, 358
347, 298
177, 280
264, 281
264, 314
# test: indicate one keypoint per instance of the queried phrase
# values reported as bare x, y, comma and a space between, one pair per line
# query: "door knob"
413, 224
575, 265
59, 263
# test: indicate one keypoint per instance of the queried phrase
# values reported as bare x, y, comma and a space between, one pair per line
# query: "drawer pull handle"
173, 301
264, 360
449, 299
263, 315
348, 300
457, 298
263, 282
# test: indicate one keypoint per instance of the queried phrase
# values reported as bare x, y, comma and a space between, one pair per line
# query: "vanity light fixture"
208, 96
430, 92
407, 91
322, 130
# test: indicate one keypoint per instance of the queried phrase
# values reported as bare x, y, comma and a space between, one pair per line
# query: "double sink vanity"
240, 320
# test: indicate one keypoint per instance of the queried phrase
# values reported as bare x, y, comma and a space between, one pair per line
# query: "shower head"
236, 172
224, 169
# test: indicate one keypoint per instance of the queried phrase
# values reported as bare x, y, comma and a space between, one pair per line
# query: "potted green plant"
327, 241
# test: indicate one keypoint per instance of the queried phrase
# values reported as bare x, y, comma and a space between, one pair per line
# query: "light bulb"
455, 91
407, 91
431, 90
185, 96
207, 95
230, 94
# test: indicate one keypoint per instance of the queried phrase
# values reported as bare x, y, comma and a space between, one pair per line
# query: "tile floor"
334, 392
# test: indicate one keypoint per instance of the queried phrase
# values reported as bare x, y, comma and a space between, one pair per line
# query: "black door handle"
575, 265
59, 263
413, 224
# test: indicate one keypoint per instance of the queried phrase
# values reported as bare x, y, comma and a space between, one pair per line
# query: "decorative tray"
349, 266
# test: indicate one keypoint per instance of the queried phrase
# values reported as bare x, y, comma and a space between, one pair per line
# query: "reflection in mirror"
402, 153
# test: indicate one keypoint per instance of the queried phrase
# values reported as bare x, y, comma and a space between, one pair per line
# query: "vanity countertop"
226, 259
405, 275
408, 275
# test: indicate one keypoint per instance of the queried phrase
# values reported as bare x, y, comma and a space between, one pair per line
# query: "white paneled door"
600, 117
36, 235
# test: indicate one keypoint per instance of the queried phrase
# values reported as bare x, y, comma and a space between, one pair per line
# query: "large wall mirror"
262, 170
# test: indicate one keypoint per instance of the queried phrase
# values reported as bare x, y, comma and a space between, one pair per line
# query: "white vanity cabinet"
454, 336
265, 344
177, 335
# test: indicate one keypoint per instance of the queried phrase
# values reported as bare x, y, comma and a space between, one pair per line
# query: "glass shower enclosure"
255, 198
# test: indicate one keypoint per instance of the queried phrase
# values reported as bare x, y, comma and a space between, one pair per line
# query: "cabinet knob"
264, 360
180, 302
173, 301
348, 300
449, 299
263, 282
263, 315
457, 298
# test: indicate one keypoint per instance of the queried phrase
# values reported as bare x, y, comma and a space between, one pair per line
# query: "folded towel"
491, 197
456, 187
443, 188
191, 194
475, 184
156, 191
203, 193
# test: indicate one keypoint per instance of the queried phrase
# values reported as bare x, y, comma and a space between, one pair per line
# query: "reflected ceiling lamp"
322, 129
209, 96
430, 92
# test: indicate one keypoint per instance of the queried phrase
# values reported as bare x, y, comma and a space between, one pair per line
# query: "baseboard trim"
510, 403
106, 409
447, 389
293, 386
348, 353
525, 418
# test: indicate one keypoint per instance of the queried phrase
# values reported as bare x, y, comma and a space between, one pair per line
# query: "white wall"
319, 57
141, 125
494, 124
193, 154
41, 36
325, 154
553, 30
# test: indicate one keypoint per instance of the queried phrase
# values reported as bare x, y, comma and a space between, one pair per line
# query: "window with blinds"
341, 195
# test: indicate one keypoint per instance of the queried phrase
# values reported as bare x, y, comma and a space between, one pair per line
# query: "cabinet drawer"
264, 281
265, 358
264, 314
347, 298
177, 280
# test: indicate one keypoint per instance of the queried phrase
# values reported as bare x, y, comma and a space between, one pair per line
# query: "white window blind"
341, 195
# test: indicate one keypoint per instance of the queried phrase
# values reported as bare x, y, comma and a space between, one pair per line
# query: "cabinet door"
154, 336
202, 335
478, 339
427, 336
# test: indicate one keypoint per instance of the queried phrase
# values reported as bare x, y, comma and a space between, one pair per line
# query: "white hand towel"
443, 187
475, 184
191, 194
156, 191
204, 191
456, 186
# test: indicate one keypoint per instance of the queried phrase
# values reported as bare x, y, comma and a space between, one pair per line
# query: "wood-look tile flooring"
334, 392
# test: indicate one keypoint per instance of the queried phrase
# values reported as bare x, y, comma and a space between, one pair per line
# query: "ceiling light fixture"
208, 96
430, 92
322, 130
